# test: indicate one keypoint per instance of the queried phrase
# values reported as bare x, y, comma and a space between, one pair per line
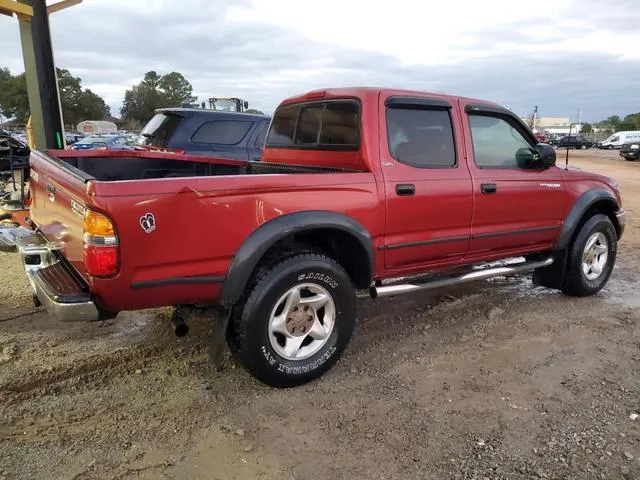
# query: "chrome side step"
478, 274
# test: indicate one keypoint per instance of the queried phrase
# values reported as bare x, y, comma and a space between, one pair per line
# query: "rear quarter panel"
202, 222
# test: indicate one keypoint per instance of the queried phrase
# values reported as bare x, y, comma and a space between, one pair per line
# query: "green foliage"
155, 91
77, 104
586, 128
14, 101
253, 110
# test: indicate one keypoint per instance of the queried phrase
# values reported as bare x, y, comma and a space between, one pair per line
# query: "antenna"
566, 161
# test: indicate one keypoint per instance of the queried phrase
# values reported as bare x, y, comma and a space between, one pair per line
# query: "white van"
620, 138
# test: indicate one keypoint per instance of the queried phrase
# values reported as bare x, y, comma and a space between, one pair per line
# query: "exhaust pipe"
180, 328
396, 289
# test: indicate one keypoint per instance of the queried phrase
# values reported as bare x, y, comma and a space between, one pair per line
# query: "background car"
575, 141
73, 137
630, 151
104, 142
238, 136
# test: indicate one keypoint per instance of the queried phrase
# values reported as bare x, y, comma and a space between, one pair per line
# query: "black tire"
250, 320
576, 282
583, 147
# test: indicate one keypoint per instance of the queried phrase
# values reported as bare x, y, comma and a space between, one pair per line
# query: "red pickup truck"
366, 188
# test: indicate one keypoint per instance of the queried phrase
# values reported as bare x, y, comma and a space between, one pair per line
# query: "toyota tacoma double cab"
389, 191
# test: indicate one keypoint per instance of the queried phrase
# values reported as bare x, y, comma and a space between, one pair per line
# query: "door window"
421, 137
495, 142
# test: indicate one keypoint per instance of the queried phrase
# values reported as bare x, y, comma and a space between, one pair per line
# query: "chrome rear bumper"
53, 284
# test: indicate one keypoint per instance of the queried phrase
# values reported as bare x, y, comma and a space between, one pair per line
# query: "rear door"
427, 182
515, 209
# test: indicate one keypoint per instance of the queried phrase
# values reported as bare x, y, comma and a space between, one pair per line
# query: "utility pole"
39, 67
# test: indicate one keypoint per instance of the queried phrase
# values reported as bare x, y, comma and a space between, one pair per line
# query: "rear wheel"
591, 257
296, 321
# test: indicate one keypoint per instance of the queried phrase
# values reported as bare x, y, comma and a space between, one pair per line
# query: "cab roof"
364, 91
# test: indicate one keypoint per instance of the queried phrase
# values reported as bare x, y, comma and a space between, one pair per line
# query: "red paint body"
201, 222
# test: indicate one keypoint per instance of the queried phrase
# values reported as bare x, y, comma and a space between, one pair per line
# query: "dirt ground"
497, 380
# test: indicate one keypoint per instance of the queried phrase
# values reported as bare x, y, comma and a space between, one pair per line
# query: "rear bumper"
53, 283
621, 215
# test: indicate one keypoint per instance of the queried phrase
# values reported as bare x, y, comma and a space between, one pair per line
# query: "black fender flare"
268, 234
580, 207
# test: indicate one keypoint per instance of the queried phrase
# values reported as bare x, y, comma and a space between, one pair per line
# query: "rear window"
159, 130
222, 132
332, 125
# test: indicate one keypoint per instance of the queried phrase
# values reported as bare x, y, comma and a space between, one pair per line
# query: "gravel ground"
496, 380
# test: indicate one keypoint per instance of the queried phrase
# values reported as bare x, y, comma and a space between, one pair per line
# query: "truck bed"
141, 165
204, 209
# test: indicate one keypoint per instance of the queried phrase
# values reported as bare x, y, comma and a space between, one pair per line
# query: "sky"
562, 55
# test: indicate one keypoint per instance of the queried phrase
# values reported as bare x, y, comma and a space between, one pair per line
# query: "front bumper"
621, 215
53, 283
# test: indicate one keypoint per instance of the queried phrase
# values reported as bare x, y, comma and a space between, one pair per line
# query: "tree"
77, 104
253, 110
632, 120
586, 128
155, 91
614, 121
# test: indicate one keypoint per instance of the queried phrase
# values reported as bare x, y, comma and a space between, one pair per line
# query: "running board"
478, 274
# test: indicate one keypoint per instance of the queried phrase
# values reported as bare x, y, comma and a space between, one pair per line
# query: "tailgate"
58, 201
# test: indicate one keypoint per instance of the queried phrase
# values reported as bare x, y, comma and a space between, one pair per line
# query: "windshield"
159, 130
226, 105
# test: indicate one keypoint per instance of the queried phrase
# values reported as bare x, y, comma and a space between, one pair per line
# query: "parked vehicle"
238, 136
390, 191
104, 142
630, 151
574, 141
620, 138
71, 138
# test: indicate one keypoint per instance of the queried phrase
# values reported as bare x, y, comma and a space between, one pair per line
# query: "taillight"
100, 245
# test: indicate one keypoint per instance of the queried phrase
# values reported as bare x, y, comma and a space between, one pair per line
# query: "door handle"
405, 189
489, 188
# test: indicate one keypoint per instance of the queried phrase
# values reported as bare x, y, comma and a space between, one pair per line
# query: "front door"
427, 183
515, 209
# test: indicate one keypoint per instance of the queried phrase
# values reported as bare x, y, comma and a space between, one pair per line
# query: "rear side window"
421, 136
222, 132
159, 130
331, 125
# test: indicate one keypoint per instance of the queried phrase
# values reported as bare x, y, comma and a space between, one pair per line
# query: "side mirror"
547, 155
542, 156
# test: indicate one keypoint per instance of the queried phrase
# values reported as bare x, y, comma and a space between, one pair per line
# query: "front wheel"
591, 257
296, 321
